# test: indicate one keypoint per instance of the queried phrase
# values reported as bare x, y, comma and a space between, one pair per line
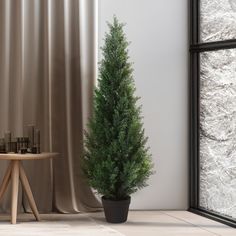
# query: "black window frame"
195, 48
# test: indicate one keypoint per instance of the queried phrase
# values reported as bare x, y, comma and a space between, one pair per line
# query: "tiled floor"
140, 223
163, 223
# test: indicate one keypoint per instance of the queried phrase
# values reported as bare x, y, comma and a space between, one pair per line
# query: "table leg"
5, 181
15, 188
26, 186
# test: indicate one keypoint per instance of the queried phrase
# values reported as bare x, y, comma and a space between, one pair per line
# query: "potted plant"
116, 160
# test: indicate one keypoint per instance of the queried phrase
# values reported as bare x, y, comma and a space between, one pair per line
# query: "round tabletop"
27, 156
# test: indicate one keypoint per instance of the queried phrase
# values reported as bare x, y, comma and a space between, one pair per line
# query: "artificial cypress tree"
116, 160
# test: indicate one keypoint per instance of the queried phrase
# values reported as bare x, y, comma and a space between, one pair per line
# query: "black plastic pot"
116, 211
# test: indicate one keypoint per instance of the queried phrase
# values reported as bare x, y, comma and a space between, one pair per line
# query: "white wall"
158, 32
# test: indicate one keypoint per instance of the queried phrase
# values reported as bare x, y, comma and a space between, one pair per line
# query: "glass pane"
218, 20
218, 132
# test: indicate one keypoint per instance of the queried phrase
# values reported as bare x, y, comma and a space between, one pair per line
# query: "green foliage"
116, 160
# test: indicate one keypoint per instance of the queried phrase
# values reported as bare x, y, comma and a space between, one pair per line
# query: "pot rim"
104, 198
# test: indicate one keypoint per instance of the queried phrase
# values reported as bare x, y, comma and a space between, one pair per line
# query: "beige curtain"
47, 71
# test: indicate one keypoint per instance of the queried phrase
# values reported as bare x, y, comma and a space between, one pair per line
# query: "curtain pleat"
47, 71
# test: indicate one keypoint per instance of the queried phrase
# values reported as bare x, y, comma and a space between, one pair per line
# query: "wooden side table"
15, 172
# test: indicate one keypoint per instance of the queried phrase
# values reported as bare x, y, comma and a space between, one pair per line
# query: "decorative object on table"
7, 137
22, 145
30, 144
31, 135
116, 160
14, 145
2, 145
37, 141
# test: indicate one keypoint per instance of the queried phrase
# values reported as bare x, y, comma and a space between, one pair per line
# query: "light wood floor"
140, 223
172, 223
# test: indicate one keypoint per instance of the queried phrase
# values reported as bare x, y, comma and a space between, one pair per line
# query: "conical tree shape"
116, 160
